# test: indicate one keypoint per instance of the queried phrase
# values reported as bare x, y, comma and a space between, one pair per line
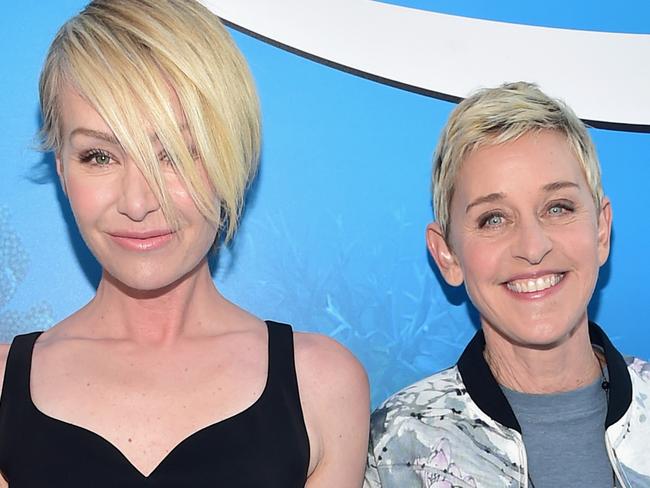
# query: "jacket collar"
484, 390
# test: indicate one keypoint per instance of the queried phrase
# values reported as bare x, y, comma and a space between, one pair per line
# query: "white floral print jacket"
456, 429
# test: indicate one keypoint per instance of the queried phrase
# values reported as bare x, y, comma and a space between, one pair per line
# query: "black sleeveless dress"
264, 445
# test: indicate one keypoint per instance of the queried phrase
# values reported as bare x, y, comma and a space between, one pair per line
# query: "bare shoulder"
335, 397
4, 352
322, 361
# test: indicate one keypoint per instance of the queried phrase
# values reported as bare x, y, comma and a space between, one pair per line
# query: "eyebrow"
495, 197
492, 197
559, 185
95, 134
110, 138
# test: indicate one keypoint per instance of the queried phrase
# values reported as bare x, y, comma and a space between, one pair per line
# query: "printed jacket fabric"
456, 429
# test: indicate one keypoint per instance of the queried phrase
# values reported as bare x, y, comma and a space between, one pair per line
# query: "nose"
137, 200
532, 242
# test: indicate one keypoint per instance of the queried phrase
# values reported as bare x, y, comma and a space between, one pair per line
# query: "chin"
141, 285
543, 341
143, 281
538, 334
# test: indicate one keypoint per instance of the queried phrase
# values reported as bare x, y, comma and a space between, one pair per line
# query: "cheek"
184, 204
180, 196
88, 201
580, 244
204, 230
480, 261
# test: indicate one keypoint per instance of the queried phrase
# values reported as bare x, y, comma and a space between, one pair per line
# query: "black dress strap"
18, 369
281, 369
15, 398
282, 397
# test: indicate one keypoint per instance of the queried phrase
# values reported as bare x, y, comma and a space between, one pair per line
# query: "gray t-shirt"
564, 436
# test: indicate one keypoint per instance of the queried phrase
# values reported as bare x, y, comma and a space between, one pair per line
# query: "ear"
443, 255
604, 230
59, 171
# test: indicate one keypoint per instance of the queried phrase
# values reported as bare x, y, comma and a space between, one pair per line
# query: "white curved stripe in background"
604, 76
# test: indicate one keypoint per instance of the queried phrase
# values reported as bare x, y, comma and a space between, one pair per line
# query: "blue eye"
491, 220
559, 209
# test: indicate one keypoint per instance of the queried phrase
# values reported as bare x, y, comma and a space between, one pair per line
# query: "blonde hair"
497, 115
132, 60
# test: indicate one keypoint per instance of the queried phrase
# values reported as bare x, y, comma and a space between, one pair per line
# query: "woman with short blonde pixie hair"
496, 116
540, 397
160, 381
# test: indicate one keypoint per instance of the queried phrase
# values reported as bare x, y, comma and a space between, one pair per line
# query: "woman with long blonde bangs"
159, 381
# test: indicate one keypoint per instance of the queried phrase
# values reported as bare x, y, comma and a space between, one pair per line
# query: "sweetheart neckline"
114, 448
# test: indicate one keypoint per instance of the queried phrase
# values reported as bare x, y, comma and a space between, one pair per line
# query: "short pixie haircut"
134, 61
497, 115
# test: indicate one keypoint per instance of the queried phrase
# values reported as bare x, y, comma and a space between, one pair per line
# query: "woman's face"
118, 215
526, 238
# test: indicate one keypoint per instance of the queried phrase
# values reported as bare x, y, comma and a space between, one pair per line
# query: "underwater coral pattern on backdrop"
13, 270
393, 315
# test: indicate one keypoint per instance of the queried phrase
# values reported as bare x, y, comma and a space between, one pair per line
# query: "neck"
157, 316
566, 366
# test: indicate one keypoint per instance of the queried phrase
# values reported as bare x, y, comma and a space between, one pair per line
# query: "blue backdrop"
332, 239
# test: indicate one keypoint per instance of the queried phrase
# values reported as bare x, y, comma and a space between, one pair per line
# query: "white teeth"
532, 285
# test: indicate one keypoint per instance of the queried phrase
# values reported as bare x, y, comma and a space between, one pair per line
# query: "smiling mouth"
532, 285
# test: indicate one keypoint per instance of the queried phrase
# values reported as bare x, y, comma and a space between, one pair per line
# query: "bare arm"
4, 350
335, 398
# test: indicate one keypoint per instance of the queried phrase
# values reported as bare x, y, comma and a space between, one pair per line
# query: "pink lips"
142, 241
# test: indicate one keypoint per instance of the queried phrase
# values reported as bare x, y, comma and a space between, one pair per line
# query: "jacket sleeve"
371, 479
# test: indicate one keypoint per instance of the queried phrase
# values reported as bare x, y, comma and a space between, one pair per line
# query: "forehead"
519, 167
76, 112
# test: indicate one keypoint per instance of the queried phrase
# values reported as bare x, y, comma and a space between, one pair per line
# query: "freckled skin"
158, 339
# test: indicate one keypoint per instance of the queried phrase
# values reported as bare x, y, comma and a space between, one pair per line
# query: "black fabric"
264, 445
481, 385
620, 384
486, 393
